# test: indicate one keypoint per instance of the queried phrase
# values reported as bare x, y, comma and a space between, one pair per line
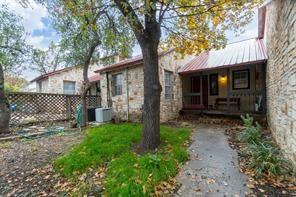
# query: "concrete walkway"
213, 166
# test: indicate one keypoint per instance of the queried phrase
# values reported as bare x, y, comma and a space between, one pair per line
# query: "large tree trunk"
152, 90
4, 110
87, 85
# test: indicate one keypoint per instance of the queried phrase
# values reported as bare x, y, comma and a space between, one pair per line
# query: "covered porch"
230, 81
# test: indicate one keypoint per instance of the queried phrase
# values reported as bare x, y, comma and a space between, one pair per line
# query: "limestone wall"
54, 83
121, 104
280, 34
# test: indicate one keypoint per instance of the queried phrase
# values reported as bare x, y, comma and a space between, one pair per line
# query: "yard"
103, 161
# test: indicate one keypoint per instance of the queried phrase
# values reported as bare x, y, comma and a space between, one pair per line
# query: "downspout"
127, 95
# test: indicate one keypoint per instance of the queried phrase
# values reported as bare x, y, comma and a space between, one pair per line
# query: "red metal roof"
134, 61
243, 52
94, 78
122, 64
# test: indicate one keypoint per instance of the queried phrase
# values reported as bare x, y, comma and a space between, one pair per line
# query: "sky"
40, 31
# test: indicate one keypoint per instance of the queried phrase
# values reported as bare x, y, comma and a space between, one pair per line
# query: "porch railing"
252, 102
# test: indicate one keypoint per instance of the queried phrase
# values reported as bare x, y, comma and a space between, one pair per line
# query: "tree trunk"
4, 109
87, 85
152, 90
84, 104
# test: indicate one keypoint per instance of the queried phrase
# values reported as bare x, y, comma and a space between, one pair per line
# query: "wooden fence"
39, 107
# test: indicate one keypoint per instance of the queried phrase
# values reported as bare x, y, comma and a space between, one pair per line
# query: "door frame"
204, 84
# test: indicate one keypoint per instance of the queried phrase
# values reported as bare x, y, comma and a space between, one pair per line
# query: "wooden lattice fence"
39, 107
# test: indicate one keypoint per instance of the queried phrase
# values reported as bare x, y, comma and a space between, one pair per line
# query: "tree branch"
134, 21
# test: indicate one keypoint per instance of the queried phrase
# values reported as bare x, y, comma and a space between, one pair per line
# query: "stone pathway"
213, 166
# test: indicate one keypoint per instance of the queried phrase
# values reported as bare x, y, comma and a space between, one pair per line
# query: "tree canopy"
13, 47
89, 31
51, 59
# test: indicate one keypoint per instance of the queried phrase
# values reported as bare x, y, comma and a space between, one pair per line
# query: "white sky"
41, 33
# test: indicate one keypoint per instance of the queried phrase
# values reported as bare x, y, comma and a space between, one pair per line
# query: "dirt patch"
25, 165
265, 186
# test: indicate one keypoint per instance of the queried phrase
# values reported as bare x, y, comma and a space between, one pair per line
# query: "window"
241, 79
117, 84
168, 85
214, 87
69, 87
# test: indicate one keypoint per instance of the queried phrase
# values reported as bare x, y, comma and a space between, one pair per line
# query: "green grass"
128, 174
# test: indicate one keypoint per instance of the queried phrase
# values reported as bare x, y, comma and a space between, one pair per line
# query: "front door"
205, 91
195, 88
199, 88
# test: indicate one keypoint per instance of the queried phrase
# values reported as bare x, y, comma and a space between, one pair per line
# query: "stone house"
227, 81
67, 81
255, 76
122, 86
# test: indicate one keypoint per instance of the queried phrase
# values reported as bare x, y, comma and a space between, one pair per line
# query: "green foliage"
128, 174
14, 83
251, 133
265, 157
13, 48
89, 31
48, 60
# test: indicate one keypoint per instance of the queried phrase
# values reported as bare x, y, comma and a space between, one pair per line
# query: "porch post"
263, 90
228, 90
200, 89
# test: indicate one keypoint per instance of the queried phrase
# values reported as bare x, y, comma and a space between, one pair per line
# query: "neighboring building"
67, 81
122, 87
280, 36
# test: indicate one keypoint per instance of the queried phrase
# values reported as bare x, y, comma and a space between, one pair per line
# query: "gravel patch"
25, 165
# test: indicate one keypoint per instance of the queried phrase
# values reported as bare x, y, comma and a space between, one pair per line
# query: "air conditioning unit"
103, 114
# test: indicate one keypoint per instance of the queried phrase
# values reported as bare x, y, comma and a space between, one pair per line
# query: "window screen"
69, 87
117, 84
168, 85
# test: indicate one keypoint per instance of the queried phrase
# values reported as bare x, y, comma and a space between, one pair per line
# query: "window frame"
115, 86
169, 96
247, 77
211, 78
67, 81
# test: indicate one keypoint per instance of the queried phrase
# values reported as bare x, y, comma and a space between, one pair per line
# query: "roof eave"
223, 66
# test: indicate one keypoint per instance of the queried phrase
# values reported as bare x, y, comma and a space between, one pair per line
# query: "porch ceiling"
244, 52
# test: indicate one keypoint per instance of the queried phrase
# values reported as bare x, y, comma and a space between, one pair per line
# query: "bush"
251, 134
266, 158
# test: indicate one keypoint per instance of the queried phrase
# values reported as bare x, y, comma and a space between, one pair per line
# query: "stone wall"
280, 34
54, 83
124, 106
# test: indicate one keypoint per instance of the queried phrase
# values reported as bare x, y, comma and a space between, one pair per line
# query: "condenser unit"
103, 114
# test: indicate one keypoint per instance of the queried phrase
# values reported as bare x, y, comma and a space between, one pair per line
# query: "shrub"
251, 134
266, 158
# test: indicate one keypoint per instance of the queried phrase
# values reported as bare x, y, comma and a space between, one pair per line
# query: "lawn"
128, 173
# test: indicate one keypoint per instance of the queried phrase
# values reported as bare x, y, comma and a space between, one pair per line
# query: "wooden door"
195, 88
205, 91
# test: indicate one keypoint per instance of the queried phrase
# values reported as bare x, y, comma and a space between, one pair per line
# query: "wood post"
68, 107
228, 90
200, 89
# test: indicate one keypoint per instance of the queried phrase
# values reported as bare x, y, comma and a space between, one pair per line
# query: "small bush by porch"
127, 173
